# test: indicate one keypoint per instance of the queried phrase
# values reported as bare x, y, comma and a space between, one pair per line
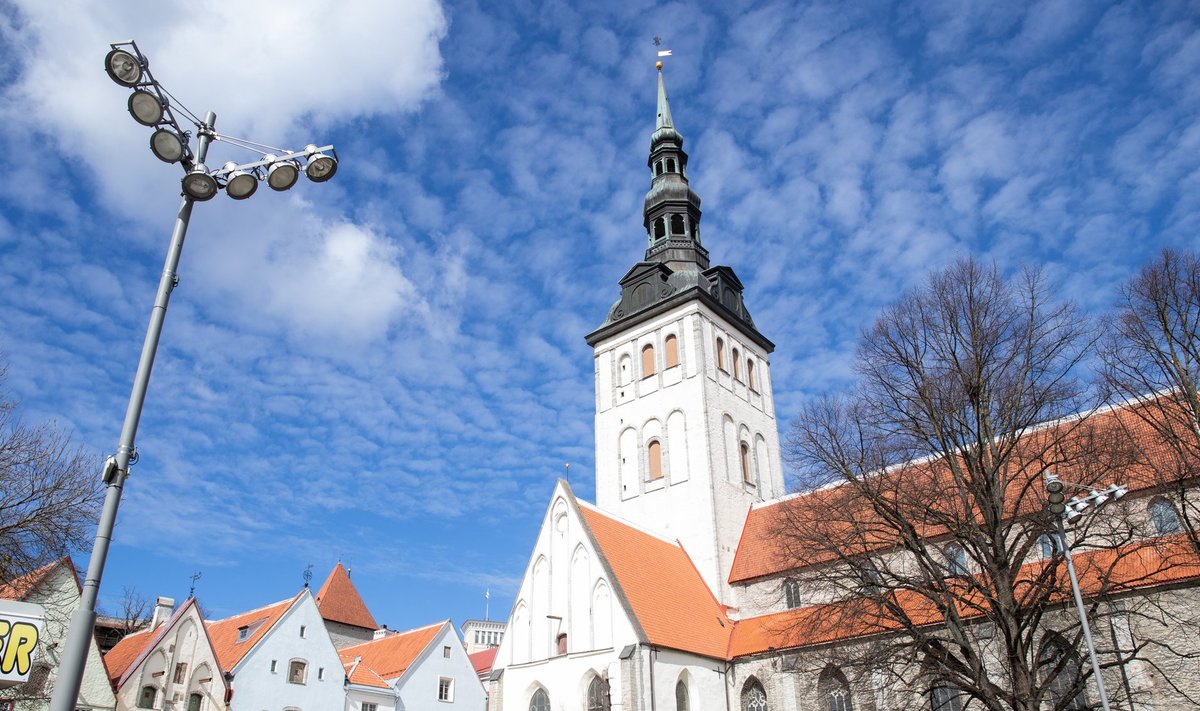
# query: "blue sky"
390, 368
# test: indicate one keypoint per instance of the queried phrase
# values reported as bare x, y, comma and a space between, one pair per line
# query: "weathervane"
195, 576
661, 52
307, 574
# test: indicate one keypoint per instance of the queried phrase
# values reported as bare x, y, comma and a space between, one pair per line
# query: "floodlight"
320, 166
1072, 514
1100, 497
1079, 504
145, 108
198, 184
282, 174
239, 184
1118, 490
167, 145
123, 67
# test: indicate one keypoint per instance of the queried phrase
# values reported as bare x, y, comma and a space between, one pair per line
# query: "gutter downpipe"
651, 656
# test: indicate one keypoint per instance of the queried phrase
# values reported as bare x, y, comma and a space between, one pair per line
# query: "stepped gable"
392, 655
339, 601
661, 587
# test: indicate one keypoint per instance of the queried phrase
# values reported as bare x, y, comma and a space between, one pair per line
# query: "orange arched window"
647, 360
747, 476
737, 373
672, 344
750, 374
721, 354
655, 452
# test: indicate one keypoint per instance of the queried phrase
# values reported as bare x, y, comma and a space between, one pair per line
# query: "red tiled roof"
339, 601
763, 552
483, 659
361, 674
125, 652
224, 633
19, 587
664, 590
390, 656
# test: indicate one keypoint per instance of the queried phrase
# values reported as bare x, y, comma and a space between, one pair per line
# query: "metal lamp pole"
149, 106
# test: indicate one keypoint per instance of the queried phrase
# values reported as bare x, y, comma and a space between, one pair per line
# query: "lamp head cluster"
1057, 503
149, 106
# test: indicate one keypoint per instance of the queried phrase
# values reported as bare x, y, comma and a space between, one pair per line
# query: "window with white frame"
445, 689
368, 706
446, 651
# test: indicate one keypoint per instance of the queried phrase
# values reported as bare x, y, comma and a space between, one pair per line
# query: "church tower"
686, 436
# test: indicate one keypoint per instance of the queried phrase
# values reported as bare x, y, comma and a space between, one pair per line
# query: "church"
667, 593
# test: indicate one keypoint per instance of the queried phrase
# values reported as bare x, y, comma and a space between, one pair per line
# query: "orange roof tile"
762, 552
390, 656
361, 674
224, 633
664, 590
339, 601
125, 652
19, 587
483, 659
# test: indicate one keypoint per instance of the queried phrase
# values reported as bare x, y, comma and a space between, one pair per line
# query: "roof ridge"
252, 611
626, 522
392, 634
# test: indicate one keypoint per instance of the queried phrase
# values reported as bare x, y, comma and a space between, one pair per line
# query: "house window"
297, 670
446, 651
721, 354
303, 629
681, 696
791, 594
956, 559
274, 665
445, 689
872, 578
146, 700
597, 695
320, 673
672, 346
745, 459
750, 375
243, 633
180, 673
560, 644
540, 701
654, 450
368, 706
944, 697
737, 374
647, 360
1066, 686
834, 690
1164, 517
195, 702
1048, 543
753, 697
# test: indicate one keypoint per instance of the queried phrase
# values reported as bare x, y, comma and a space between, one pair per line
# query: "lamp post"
1063, 510
149, 106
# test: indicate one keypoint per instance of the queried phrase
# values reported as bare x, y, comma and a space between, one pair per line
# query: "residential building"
673, 590
425, 667
55, 587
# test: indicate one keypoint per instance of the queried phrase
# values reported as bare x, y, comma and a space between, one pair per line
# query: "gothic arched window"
834, 690
540, 701
944, 697
676, 224
1164, 517
681, 696
654, 451
672, 345
1061, 664
791, 593
597, 695
747, 475
750, 374
647, 360
753, 696
721, 353
737, 373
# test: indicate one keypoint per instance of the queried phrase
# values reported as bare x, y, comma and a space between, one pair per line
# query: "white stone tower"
686, 436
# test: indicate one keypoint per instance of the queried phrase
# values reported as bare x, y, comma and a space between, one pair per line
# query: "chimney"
380, 633
163, 607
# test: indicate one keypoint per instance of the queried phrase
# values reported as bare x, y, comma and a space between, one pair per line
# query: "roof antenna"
307, 574
195, 576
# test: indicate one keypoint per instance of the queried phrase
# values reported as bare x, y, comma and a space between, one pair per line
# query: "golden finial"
658, 65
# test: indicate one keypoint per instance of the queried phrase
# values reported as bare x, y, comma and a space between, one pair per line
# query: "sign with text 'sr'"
20, 629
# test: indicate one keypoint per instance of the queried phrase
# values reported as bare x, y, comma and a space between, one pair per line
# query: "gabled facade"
427, 667
55, 587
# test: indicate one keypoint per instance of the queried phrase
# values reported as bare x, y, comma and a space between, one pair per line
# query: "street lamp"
1062, 509
148, 105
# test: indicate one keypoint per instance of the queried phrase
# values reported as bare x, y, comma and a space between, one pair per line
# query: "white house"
427, 668
55, 587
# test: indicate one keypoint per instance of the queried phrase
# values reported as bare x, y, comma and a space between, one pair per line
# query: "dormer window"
243, 633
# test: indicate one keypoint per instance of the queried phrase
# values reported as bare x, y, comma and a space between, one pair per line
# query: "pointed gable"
230, 644
20, 587
339, 601
391, 656
661, 587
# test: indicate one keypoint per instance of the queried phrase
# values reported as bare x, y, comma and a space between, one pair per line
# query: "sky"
389, 369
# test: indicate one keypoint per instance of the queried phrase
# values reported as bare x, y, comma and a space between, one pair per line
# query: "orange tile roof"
19, 587
339, 601
665, 592
762, 551
483, 659
361, 674
124, 653
390, 656
224, 633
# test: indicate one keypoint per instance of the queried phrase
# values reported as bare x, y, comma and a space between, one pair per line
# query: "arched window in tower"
624, 370
670, 165
737, 372
654, 451
750, 374
647, 360
658, 168
753, 696
660, 228
720, 353
677, 224
672, 345
695, 230
744, 451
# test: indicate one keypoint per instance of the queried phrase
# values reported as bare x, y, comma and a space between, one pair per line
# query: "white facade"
479, 635
443, 665
181, 665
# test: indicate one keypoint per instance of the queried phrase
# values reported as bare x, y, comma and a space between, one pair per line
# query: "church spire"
672, 209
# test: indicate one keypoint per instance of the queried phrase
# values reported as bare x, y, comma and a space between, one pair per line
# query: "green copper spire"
664, 127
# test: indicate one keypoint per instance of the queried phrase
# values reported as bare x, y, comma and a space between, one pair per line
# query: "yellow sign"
20, 629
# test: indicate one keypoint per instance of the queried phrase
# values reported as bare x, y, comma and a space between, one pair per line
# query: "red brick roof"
339, 601
665, 592
391, 656
224, 633
483, 659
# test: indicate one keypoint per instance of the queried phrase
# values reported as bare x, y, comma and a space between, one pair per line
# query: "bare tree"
926, 530
132, 611
1151, 359
49, 492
